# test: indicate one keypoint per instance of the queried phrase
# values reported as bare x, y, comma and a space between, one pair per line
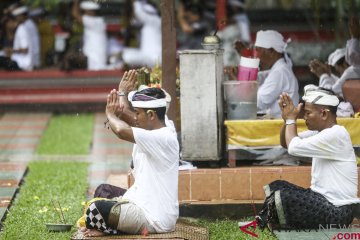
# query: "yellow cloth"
266, 133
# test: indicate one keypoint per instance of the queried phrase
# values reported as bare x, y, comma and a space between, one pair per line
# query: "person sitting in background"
345, 61
327, 79
139, 117
343, 64
149, 51
93, 55
276, 76
352, 56
328, 73
334, 173
22, 53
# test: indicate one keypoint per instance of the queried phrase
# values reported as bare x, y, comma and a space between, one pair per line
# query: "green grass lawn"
229, 230
67, 135
65, 182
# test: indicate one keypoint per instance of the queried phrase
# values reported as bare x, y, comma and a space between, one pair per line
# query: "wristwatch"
290, 121
121, 93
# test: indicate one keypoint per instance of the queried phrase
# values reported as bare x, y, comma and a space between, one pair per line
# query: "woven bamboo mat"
182, 231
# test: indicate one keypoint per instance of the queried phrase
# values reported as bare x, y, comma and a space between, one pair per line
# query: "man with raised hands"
151, 203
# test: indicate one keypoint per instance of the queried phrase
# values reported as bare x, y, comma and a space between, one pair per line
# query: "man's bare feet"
93, 233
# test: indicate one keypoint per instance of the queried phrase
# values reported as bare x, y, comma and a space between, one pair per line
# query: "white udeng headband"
19, 10
319, 97
271, 39
158, 103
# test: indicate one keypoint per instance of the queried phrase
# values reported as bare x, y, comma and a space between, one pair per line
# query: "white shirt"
156, 166
334, 171
352, 56
327, 81
280, 79
95, 42
22, 40
35, 40
150, 49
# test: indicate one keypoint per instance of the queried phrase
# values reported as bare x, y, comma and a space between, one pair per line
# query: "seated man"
334, 175
151, 203
344, 61
21, 55
271, 50
329, 73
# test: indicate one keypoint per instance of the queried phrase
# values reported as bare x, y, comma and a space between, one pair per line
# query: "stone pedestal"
201, 76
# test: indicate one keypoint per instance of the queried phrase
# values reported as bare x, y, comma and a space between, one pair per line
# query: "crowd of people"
79, 31
87, 43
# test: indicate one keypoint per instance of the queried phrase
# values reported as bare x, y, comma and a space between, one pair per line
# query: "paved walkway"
19, 137
110, 156
20, 134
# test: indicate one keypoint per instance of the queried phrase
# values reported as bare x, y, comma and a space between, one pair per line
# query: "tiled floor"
20, 134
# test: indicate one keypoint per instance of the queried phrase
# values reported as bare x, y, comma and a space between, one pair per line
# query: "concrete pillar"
201, 101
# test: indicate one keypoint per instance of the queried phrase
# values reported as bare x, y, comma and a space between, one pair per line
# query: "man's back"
156, 161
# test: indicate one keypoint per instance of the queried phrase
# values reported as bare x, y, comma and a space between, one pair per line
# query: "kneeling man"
151, 203
334, 175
